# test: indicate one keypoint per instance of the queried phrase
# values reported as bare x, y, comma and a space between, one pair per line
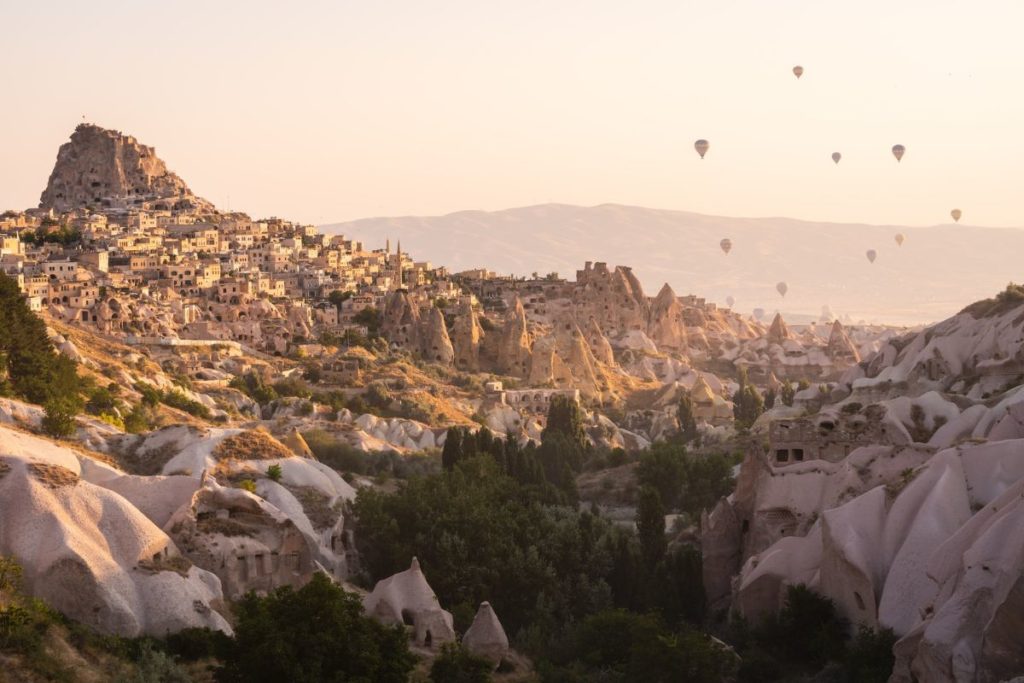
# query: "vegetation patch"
254, 444
53, 476
224, 526
174, 563
1006, 300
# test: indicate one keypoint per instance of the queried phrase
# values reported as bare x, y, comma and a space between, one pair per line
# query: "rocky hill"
106, 168
927, 279
898, 497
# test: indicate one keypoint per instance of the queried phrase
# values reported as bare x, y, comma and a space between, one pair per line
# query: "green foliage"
565, 418
150, 395
136, 420
650, 525
689, 483
870, 658
292, 386
338, 297
455, 665
317, 633
274, 472
620, 646
378, 395
747, 402
253, 386
1006, 300
343, 457
481, 535
29, 367
65, 235
176, 399
59, 418
687, 421
803, 637
787, 394
370, 318
247, 485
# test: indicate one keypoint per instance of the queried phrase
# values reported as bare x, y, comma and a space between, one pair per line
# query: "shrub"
456, 665
274, 472
59, 420
248, 485
316, 633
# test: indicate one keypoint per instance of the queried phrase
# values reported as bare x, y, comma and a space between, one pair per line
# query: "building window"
798, 454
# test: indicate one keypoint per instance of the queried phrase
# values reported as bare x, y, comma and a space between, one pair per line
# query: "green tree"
687, 421
747, 402
451, 454
787, 394
650, 526
317, 633
370, 318
274, 472
565, 418
338, 297
59, 417
29, 366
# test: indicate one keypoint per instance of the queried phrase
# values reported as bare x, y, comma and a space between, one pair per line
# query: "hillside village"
249, 350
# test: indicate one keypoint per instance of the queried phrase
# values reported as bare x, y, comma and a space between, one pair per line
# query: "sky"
329, 111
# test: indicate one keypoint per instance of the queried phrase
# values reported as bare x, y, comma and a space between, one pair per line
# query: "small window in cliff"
746, 526
798, 454
407, 617
782, 455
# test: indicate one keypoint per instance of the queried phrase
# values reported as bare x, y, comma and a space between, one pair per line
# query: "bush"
59, 420
456, 665
274, 472
247, 485
317, 633
176, 399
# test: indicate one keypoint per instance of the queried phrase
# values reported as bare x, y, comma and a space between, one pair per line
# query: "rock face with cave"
406, 598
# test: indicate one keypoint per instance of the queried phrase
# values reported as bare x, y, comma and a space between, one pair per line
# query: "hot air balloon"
758, 313
956, 213
836, 156
872, 255
726, 245
782, 288
899, 238
798, 71
730, 300
897, 151
702, 147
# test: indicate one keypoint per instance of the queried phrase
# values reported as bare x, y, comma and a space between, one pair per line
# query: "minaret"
398, 263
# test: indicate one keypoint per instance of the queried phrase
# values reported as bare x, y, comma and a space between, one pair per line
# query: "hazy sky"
325, 111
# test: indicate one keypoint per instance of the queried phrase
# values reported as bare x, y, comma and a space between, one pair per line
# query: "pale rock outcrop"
600, 347
436, 346
514, 344
778, 333
666, 327
485, 637
840, 346
400, 321
100, 167
942, 564
91, 554
466, 336
407, 598
247, 542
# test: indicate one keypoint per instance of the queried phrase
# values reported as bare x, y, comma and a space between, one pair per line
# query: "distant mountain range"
936, 272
